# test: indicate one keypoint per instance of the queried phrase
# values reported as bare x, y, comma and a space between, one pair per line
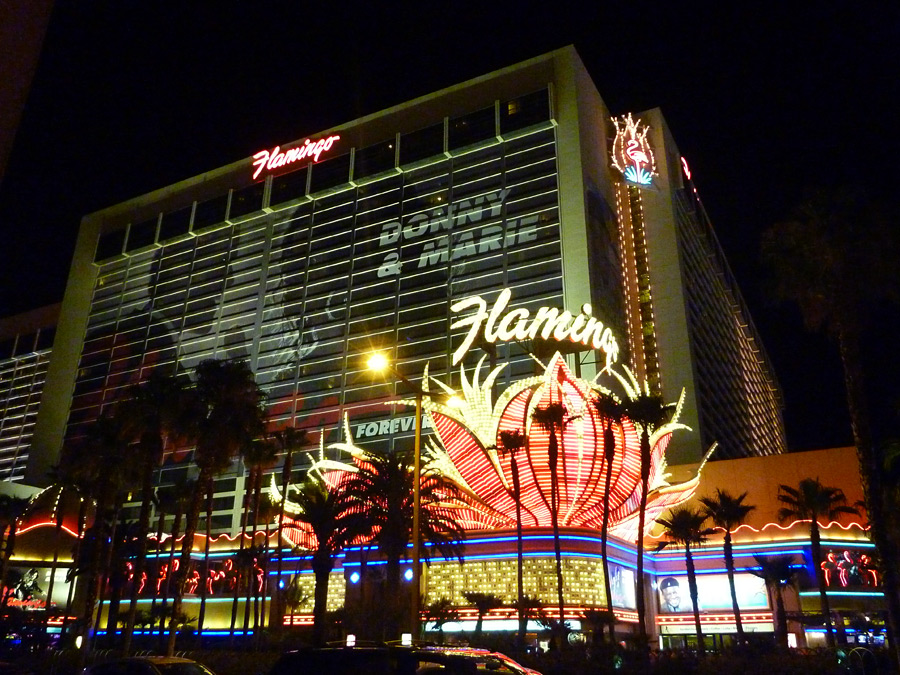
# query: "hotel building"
309, 255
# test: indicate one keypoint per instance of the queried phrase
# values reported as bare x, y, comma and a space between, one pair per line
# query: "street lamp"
378, 362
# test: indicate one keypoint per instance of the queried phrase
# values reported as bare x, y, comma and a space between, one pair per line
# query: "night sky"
763, 100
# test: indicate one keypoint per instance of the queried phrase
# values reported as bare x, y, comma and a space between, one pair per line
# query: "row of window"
488, 125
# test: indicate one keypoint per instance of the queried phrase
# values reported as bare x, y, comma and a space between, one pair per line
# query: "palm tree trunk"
186, 548
82, 516
56, 535
285, 483
170, 570
205, 575
604, 538
692, 584
140, 563
815, 544
520, 553
239, 572
392, 601
871, 465
105, 578
553, 452
322, 565
160, 526
257, 591
254, 511
782, 615
257, 637
7, 555
642, 514
94, 578
729, 567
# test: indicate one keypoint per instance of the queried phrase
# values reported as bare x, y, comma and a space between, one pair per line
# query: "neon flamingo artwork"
828, 566
465, 451
631, 151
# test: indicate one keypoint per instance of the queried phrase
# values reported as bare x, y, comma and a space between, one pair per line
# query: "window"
210, 212
525, 111
422, 144
330, 173
141, 235
247, 200
472, 128
175, 224
374, 159
110, 245
289, 186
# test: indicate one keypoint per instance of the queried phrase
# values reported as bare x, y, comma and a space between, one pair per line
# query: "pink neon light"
46, 523
634, 152
783, 528
275, 158
687, 169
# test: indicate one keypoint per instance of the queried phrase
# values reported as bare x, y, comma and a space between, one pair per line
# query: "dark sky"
763, 100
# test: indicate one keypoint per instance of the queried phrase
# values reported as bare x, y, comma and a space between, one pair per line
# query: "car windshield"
182, 669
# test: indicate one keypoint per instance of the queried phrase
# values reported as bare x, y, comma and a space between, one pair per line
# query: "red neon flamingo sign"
275, 158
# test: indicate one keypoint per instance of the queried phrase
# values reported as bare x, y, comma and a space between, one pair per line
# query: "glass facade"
305, 281
24, 359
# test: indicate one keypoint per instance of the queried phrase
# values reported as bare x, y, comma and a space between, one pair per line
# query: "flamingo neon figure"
634, 152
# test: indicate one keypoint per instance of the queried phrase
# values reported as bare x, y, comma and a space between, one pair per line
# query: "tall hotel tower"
308, 255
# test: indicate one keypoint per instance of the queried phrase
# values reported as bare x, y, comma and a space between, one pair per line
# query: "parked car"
148, 665
396, 660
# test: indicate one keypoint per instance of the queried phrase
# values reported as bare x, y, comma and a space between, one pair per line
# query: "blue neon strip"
716, 556
858, 594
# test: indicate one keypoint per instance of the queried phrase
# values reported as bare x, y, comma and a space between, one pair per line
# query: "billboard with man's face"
713, 593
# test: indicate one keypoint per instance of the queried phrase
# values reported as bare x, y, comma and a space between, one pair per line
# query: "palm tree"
334, 526
175, 500
835, 259
382, 492
484, 603
684, 526
648, 412
440, 612
552, 418
154, 412
11, 510
288, 439
258, 455
511, 442
811, 500
227, 413
729, 512
778, 572
70, 473
612, 413
107, 472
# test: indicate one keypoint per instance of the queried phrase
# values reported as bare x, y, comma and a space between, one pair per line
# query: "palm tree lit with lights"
811, 500
511, 442
552, 418
729, 512
684, 526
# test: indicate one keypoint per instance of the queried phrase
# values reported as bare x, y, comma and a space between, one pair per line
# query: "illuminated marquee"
464, 449
518, 324
275, 158
631, 152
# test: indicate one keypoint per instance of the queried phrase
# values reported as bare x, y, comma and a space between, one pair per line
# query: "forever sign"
518, 324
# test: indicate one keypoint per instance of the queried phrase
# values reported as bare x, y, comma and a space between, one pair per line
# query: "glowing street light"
379, 363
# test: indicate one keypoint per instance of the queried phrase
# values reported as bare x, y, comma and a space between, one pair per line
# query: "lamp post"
379, 363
